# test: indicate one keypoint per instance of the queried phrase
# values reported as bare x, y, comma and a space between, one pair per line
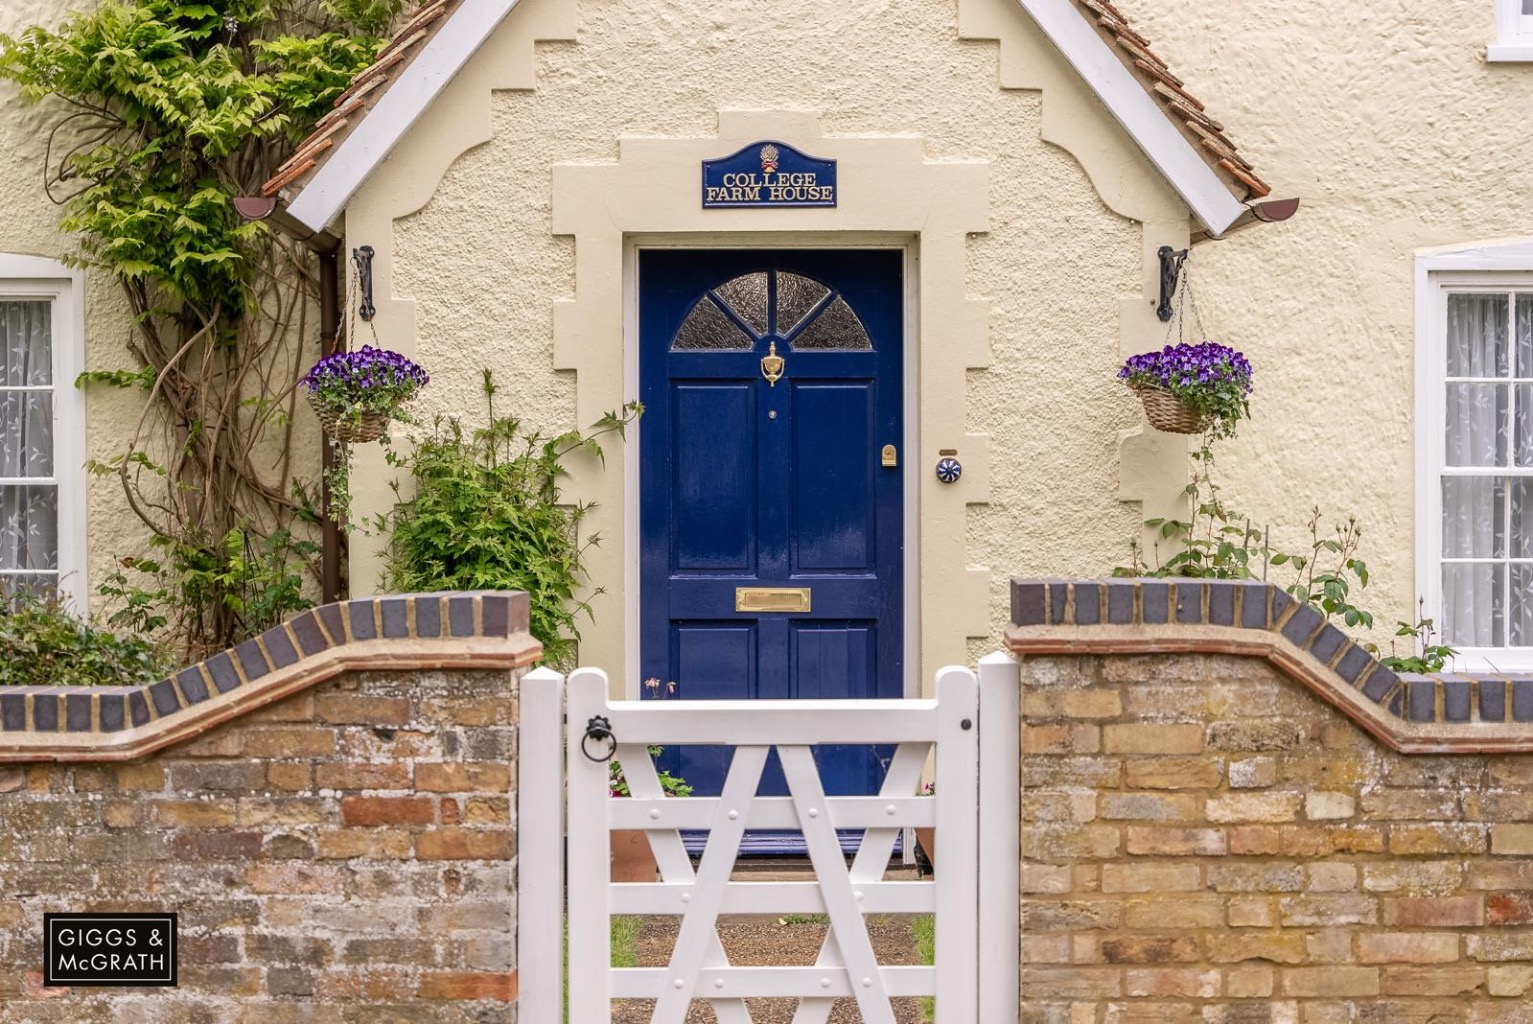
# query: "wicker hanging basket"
1168, 414
369, 427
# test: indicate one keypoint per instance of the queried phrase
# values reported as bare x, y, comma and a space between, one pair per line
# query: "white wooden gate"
975, 962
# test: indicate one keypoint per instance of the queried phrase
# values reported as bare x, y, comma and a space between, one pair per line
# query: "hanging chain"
1191, 300
1184, 297
352, 301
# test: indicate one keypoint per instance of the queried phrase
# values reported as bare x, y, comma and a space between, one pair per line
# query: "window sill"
1520, 51
1492, 661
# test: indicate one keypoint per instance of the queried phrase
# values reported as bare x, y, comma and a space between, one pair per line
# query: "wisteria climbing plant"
163, 112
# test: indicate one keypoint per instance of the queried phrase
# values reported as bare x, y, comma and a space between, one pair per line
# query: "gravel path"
767, 941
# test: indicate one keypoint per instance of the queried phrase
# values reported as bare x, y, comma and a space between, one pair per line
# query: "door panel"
716, 660
749, 483
836, 659
715, 476
834, 526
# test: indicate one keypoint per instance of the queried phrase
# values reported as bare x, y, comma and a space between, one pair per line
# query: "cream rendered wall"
1398, 135
29, 226
471, 271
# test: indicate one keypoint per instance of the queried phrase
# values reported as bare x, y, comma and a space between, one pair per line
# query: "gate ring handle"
599, 728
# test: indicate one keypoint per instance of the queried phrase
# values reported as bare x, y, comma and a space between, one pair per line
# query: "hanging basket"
1168, 414
369, 427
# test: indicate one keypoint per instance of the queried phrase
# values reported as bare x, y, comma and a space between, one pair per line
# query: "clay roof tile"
352, 105
1185, 110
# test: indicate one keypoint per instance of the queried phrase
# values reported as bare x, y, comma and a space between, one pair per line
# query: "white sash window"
42, 421
1475, 459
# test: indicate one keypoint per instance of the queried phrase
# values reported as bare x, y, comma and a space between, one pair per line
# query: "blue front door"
771, 513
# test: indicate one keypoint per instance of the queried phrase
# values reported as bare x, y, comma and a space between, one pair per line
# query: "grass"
625, 940
789, 919
924, 930
624, 946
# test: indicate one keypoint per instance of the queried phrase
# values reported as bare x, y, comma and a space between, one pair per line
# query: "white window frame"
1479, 266
36, 277
1514, 33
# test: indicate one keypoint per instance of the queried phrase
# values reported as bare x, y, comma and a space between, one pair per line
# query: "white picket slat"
644, 982
868, 868
846, 920
1000, 883
698, 927
957, 925
771, 898
590, 949
774, 812
766, 722
644, 784
539, 850
671, 857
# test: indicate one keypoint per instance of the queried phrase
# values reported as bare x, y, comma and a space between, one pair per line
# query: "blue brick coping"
1446, 713
484, 629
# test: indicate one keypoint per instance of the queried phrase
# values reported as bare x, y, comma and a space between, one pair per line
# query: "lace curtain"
1489, 518
28, 511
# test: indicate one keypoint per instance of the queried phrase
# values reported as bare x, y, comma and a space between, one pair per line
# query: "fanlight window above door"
771, 303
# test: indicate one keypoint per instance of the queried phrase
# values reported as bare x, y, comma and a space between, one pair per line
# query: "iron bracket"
1171, 261
363, 258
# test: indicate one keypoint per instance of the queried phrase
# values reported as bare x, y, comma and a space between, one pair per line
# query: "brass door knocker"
772, 365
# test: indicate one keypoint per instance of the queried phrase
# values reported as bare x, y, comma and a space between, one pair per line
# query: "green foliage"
486, 515
1218, 542
140, 378
1434, 657
624, 939
248, 580
670, 785
163, 111
170, 99
923, 929
44, 645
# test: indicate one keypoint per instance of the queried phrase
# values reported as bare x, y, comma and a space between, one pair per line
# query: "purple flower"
367, 380
1212, 378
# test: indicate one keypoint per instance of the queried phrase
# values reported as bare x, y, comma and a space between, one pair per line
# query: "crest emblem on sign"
767, 173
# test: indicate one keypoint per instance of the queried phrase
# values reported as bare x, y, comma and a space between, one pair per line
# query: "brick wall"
342, 853
1207, 838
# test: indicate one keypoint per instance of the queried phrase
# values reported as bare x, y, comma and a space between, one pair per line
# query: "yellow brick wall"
1203, 840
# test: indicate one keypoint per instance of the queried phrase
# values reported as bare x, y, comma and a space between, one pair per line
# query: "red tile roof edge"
1185, 110
353, 105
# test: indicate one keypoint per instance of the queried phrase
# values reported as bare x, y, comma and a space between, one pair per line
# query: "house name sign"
769, 174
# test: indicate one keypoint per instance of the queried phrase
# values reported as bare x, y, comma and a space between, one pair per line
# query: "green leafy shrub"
1218, 542
1434, 657
42, 644
486, 515
245, 582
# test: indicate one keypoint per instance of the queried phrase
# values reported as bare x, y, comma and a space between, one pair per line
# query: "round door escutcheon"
949, 470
